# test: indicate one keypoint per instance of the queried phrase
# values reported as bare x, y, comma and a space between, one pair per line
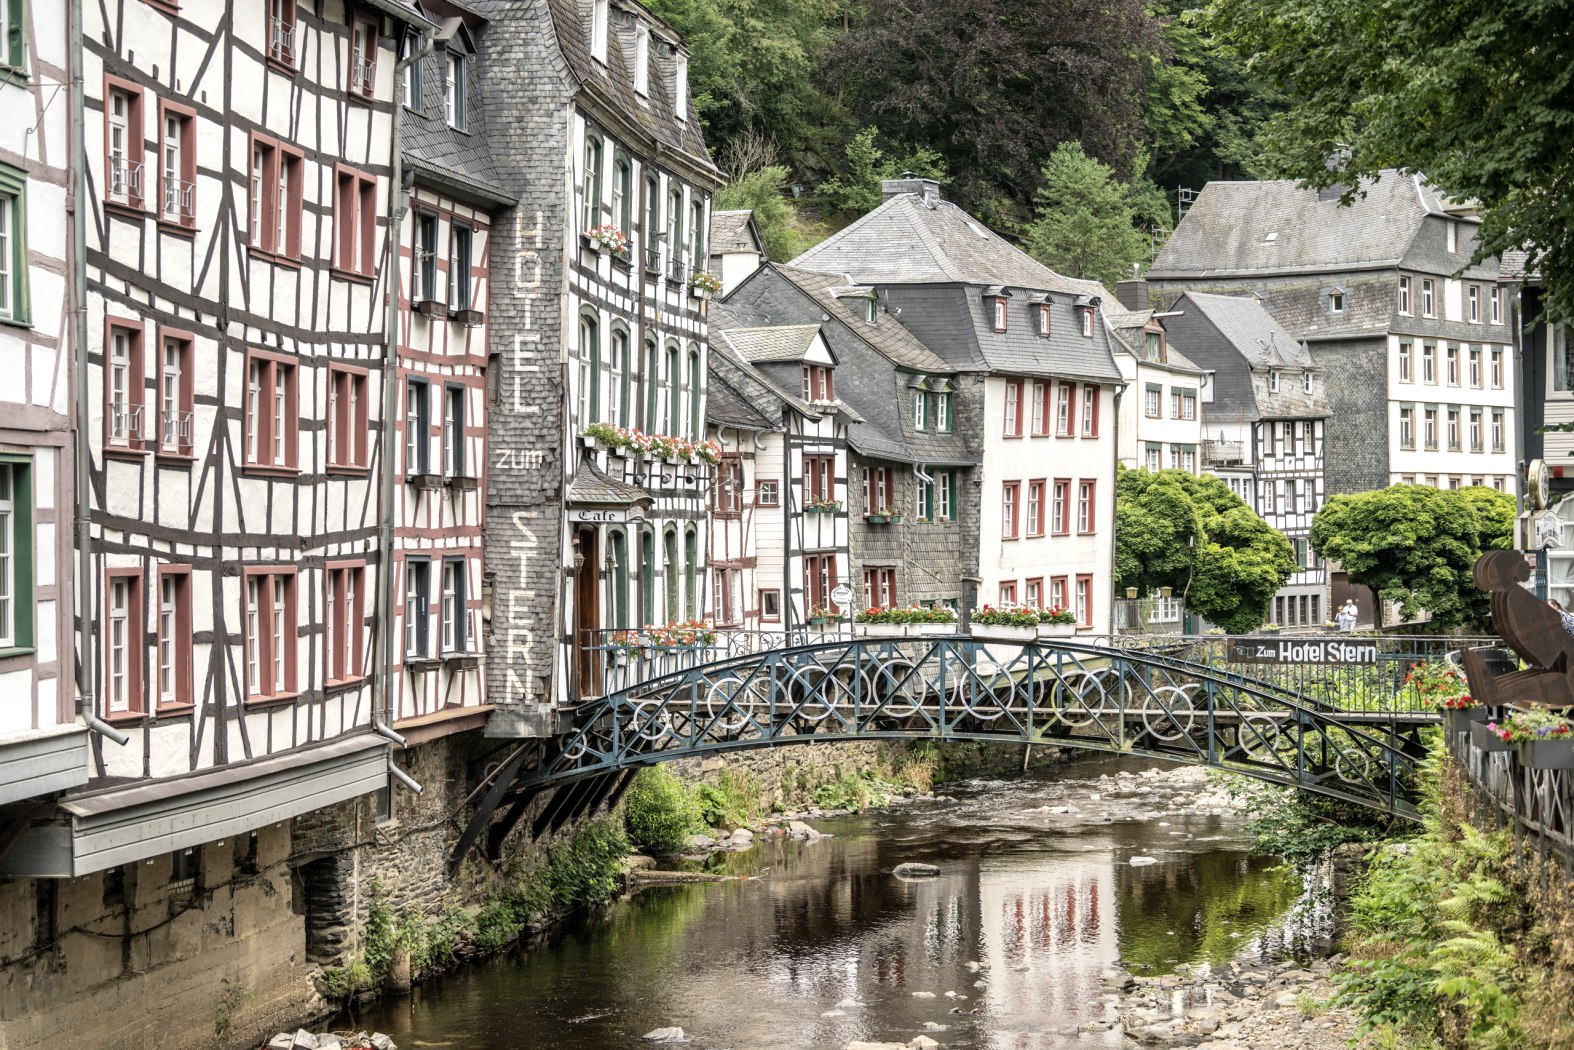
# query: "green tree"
763, 192
1417, 545
1475, 94
1192, 534
857, 189
1086, 221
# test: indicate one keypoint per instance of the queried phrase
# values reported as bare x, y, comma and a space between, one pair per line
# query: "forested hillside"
1047, 118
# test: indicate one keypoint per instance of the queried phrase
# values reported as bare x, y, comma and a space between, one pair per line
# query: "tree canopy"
1474, 94
1086, 221
1416, 545
1192, 534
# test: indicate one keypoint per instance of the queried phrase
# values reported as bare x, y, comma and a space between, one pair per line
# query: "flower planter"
1057, 630
1002, 633
881, 630
930, 630
876, 519
1548, 754
590, 442
1486, 740
894, 519
1458, 719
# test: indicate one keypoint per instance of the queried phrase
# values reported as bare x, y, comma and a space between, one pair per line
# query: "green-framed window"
16, 554
13, 244
13, 39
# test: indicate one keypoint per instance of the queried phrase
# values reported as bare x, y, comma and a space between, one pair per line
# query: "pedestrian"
1349, 615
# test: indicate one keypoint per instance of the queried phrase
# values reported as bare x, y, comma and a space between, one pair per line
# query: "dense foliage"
661, 811
1192, 534
1416, 545
1086, 224
1475, 94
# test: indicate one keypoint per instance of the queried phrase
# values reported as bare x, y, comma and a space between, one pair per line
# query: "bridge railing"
1354, 672
624, 659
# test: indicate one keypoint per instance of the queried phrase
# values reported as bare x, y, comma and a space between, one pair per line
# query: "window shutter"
15, 53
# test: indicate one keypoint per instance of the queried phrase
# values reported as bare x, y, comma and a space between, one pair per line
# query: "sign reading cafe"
1301, 651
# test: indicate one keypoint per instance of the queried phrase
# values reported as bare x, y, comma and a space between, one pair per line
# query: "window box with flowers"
1437, 685
915, 621
608, 238
884, 516
623, 646
823, 506
1545, 740
680, 634
1010, 623
704, 283
823, 616
624, 441
1056, 623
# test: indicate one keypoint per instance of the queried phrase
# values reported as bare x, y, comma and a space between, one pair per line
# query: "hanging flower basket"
609, 238
705, 283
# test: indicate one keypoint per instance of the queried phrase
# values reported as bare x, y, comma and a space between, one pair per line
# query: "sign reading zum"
1301, 651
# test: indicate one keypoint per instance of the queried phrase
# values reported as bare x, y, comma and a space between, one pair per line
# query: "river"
1006, 949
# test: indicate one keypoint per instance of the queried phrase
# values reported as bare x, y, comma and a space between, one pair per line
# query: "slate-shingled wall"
525, 93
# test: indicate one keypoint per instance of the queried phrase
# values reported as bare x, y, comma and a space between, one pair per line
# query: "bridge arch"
1055, 692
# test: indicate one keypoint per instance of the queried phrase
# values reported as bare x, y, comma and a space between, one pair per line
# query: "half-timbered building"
602, 330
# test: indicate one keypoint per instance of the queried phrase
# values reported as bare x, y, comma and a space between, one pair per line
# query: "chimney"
1133, 294
928, 190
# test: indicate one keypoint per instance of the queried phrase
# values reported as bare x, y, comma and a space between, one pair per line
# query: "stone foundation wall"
789, 775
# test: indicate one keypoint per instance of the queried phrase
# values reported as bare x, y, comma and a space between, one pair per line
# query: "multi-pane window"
174, 638
423, 284
1043, 320
943, 412
345, 612
1085, 508
1064, 398
1452, 358
13, 244
1497, 430
355, 222
1429, 417
1497, 368
1013, 413
1428, 297
281, 31
999, 308
455, 629
414, 80
1152, 400
417, 428
1008, 592
1033, 593
1407, 427
16, 554
590, 369
817, 384
1429, 362
1087, 322
123, 389
879, 490
880, 588
1406, 370
1473, 304
1475, 430
641, 60
1495, 298
1404, 295
768, 494
177, 165
945, 484
417, 608
697, 240
727, 493
623, 194
819, 478
590, 183
1035, 508
460, 262
819, 580
272, 422
347, 417
270, 627
1057, 593
175, 397
1059, 508
1090, 411
274, 187
123, 161
1010, 498
618, 409
920, 410
1453, 429
455, 462
363, 58
675, 233
1151, 457
456, 93
1084, 606
1040, 409
1475, 366
123, 654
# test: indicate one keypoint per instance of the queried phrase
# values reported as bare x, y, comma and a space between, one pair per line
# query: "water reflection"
824, 946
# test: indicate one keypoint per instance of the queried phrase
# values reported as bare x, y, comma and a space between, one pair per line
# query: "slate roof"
459, 162
594, 487
1512, 266
908, 240
1252, 338
774, 343
736, 397
886, 335
1276, 227
1130, 327
1250, 329
734, 231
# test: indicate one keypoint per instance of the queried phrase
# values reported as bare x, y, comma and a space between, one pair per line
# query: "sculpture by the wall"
1530, 627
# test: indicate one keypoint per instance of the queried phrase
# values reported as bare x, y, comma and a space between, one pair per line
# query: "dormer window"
1273, 381
680, 92
1336, 302
641, 60
1087, 322
456, 101
1155, 346
414, 84
1000, 314
1043, 320
598, 30
817, 384
1306, 382
871, 309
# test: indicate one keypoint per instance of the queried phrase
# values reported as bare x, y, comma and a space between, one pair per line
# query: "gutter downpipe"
87, 703
1120, 392
396, 209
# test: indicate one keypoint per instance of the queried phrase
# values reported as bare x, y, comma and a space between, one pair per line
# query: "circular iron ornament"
1168, 714
730, 704
649, 720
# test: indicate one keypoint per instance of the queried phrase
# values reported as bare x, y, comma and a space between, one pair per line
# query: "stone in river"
834, 1013
936, 1026
304, 1040
849, 1002
799, 830
922, 1042
701, 841
923, 995
915, 870
1142, 862
665, 1035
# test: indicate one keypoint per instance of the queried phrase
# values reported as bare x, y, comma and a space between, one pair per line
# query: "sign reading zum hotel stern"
1301, 651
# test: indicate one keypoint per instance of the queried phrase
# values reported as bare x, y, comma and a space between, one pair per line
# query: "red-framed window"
1008, 592
124, 654
1060, 507
879, 490
347, 417
363, 57
1087, 322
1065, 409
125, 180
998, 313
819, 478
819, 580
1013, 409
1010, 508
274, 180
272, 418
173, 663
727, 493
125, 390
344, 585
354, 221
1087, 511
1058, 589
1033, 592
177, 166
1038, 399
268, 616
880, 588
818, 384
1035, 507
176, 401
281, 33
1043, 320
1084, 599
725, 607
1090, 411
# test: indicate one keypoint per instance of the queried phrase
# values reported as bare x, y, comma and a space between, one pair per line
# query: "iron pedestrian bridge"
1341, 722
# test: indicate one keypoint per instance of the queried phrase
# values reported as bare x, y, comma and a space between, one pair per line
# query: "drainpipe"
1120, 391
396, 209
87, 703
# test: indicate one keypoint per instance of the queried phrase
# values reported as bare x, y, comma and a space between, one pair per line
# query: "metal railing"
363, 75
125, 422
1151, 615
125, 178
281, 41
652, 260
1537, 803
177, 198
175, 430
1218, 451
622, 659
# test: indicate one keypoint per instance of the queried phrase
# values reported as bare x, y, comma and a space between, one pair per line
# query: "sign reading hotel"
1301, 651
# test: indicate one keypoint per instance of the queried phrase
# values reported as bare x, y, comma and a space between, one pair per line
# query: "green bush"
661, 812
733, 800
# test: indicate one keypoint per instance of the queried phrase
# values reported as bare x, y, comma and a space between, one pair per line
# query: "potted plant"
624, 646
1267, 628
876, 518
608, 238
705, 283
1056, 623
1438, 685
824, 505
822, 616
682, 634
912, 622
1484, 736
1545, 740
1005, 624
